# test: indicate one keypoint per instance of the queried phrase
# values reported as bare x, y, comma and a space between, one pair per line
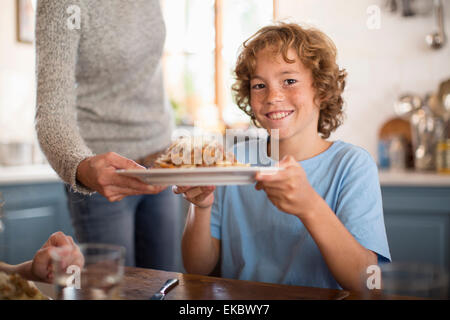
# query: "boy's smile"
279, 115
282, 96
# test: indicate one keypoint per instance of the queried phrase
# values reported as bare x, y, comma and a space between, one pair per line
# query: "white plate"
199, 176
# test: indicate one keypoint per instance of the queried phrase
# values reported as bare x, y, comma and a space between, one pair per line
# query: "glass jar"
443, 156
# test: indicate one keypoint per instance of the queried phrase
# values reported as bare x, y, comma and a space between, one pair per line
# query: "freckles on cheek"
253, 103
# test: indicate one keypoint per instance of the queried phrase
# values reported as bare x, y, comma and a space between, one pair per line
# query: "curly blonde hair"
315, 50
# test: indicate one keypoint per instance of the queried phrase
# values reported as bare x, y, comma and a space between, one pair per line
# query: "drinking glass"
98, 279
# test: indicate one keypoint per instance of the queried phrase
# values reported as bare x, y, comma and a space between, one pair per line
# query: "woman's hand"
41, 265
99, 173
202, 197
288, 189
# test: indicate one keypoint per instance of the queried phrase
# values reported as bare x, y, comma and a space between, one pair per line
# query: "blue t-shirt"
261, 243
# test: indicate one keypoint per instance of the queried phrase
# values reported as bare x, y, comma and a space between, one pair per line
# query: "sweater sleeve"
56, 117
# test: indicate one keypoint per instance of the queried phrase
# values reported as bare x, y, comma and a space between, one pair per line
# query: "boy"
319, 222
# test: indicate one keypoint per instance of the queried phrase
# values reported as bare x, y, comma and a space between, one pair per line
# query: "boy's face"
282, 96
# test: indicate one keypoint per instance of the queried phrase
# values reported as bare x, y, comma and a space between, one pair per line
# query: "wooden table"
141, 284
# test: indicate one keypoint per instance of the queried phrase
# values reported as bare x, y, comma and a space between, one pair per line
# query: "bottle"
397, 154
383, 154
443, 151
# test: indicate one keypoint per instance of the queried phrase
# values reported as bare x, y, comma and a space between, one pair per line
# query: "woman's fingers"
129, 183
122, 185
120, 162
115, 193
99, 173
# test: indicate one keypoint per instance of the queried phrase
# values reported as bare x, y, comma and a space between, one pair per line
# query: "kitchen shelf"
27, 174
413, 178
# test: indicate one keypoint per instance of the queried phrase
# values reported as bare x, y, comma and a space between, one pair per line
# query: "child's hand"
41, 266
202, 197
288, 189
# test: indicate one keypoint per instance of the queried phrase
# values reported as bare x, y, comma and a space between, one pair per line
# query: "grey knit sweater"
99, 86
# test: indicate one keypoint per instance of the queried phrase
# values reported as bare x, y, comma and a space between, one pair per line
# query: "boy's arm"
290, 191
346, 258
200, 250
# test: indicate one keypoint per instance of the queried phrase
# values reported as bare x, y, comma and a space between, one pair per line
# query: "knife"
164, 289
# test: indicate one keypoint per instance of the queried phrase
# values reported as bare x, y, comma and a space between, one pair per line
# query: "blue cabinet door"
31, 214
418, 238
417, 223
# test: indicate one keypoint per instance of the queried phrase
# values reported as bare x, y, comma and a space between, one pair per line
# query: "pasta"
184, 153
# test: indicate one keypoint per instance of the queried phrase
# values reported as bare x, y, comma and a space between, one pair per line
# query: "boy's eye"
258, 86
290, 81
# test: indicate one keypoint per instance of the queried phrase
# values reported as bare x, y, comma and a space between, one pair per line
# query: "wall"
17, 80
382, 64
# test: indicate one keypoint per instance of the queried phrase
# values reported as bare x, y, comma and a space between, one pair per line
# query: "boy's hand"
288, 189
202, 197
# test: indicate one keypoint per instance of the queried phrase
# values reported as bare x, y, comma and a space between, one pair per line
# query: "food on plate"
14, 287
186, 153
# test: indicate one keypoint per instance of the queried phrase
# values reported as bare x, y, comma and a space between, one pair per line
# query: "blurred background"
397, 103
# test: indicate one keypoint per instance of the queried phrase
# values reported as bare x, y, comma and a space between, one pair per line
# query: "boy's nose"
274, 95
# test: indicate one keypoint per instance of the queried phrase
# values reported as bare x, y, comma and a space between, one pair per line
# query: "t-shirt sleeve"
359, 205
216, 213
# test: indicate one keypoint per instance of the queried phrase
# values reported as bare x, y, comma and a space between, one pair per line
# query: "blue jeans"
146, 225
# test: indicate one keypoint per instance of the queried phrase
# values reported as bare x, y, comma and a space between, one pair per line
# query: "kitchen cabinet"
417, 220
416, 212
32, 212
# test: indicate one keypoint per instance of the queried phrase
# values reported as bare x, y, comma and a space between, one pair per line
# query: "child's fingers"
181, 189
274, 190
261, 177
287, 161
194, 192
264, 185
201, 197
208, 189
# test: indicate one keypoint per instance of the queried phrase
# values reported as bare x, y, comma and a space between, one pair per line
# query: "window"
202, 43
